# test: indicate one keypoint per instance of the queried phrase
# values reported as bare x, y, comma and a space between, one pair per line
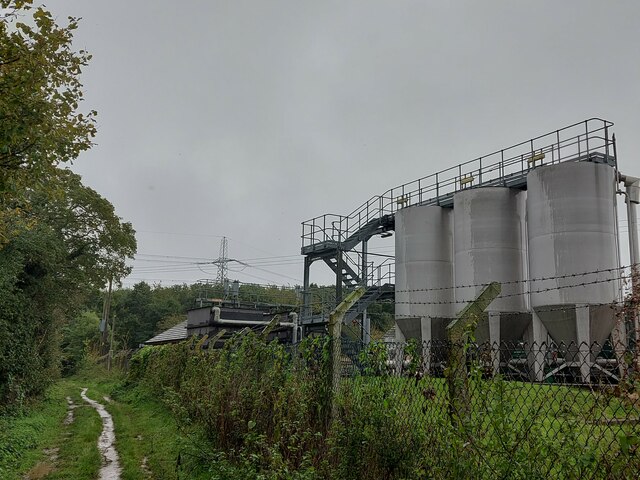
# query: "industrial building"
215, 318
539, 217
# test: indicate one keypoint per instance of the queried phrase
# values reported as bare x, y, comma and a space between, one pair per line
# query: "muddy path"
110, 469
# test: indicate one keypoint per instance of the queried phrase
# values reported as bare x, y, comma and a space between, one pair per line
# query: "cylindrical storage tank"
571, 231
489, 246
424, 270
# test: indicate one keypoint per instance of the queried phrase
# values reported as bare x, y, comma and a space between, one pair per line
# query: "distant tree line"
145, 310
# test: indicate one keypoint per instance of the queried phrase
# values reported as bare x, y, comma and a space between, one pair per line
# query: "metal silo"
489, 247
571, 231
424, 269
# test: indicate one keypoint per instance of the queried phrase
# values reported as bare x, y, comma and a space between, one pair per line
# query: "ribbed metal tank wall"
489, 246
424, 269
571, 230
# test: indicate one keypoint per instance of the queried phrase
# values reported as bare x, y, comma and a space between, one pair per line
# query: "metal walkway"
341, 240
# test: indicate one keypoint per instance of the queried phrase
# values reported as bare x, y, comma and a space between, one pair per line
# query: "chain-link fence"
492, 411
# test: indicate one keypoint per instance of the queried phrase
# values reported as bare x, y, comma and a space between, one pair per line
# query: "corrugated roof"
174, 334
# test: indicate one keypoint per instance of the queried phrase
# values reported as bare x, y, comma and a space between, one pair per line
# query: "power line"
183, 234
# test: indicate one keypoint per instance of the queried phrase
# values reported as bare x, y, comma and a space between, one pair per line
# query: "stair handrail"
383, 273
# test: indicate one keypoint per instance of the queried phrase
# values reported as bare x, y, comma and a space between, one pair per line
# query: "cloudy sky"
243, 118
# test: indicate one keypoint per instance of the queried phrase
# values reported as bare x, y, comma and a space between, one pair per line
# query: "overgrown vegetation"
263, 411
255, 405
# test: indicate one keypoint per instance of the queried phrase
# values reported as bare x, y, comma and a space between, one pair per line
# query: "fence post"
456, 371
335, 332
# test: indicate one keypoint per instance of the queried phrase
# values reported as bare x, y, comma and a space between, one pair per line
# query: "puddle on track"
110, 464
70, 407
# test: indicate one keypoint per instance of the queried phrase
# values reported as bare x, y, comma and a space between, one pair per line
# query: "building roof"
174, 334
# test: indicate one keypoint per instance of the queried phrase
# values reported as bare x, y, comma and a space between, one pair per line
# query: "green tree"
59, 240
31, 313
79, 336
75, 244
40, 94
96, 240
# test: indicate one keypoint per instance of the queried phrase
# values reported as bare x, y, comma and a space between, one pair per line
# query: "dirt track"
110, 469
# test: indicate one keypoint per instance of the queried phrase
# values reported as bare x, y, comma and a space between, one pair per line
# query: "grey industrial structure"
211, 319
539, 217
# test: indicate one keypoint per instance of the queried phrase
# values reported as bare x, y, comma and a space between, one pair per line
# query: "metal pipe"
632, 198
296, 326
253, 322
632, 218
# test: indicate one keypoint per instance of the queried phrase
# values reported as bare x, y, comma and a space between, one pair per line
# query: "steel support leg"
306, 294
426, 334
584, 342
338, 278
494, 340
536, 339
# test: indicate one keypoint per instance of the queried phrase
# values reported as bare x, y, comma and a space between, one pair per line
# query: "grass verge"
24, 436
37, 444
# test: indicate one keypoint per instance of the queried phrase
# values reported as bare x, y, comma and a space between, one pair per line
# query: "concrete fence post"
335, 332
456, 371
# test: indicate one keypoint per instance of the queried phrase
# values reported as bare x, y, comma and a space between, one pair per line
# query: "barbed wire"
540, 309
518, 294
515, 282
507, 295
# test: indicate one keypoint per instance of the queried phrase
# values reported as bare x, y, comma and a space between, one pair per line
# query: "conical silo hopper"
571, 232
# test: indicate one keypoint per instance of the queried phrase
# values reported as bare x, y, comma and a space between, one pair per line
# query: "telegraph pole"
113, 328
104, 324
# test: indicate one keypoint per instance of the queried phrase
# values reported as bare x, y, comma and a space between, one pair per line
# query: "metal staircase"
335, 239
349, 276
373, 293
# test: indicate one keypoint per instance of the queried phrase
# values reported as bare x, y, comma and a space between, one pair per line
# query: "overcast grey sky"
243, 118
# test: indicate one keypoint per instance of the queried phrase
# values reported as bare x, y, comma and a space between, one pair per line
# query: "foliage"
79, 336
141, 309
375, 437
382, 317
374, 359
40, 93
46, 274
59, 240
260, 404
98, 242
262, 412
23, 436
30, 315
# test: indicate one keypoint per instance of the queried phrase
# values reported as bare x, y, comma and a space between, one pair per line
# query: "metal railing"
381, 274
576, 142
